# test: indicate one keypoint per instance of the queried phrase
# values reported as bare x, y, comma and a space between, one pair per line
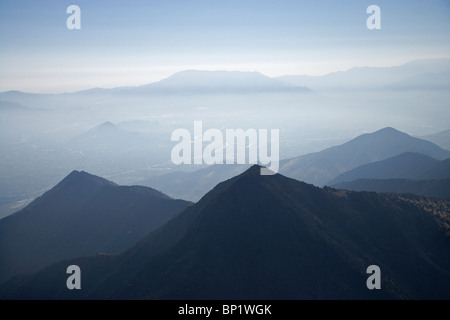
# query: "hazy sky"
137, 42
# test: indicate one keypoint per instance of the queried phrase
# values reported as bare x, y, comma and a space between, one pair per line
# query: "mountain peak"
82, 215
82, 180
384, 134
219, 78
216, 73
104, 128
219, 81
254, 170
253, 180
107, 124
255, 173
83, 175
389, 131
321, 167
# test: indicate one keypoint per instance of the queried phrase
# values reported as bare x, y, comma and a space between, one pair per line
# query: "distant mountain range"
406, 173
215, 82
83, 214
270, 237
408, 165
317, 168
431, 74
189, 82
321, 167
442, 139
415, 75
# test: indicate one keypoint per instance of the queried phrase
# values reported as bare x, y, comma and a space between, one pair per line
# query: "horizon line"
220, 70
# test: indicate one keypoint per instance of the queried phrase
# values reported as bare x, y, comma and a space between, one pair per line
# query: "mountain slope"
6, 106
442, 139
408, 165
83, 214
429, 188
269, 237
319, 168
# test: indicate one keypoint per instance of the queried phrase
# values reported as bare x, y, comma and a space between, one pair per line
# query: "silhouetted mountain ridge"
82, 214
269, 237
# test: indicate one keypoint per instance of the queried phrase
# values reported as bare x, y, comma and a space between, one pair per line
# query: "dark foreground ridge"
83, 214
269, 237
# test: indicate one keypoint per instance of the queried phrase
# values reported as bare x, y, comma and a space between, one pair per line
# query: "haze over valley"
124, 134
